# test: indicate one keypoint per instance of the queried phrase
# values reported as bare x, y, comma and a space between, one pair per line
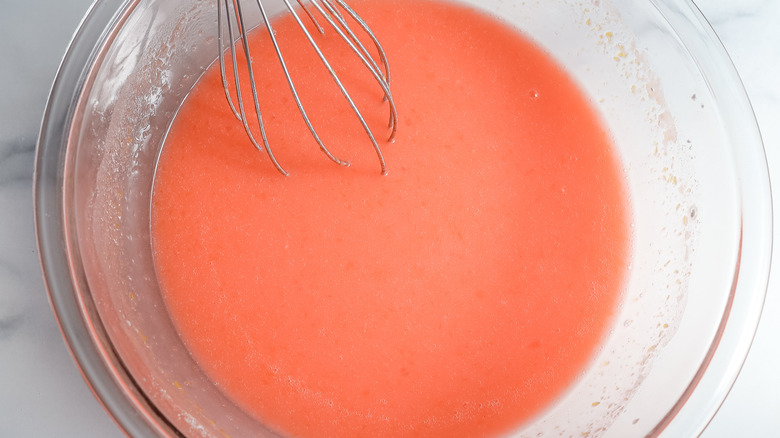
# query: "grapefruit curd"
457, 296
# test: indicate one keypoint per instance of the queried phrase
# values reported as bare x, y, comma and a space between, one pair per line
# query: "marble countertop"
42, 393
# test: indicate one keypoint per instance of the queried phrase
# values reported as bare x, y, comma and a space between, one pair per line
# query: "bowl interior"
679, 152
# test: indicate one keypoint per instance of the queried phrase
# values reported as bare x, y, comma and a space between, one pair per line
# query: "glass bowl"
684, 130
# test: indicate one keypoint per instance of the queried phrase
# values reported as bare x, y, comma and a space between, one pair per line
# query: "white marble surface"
41, 391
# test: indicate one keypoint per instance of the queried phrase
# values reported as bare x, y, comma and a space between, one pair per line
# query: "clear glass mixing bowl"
684, 129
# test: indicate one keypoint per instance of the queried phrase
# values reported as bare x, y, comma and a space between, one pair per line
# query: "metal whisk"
336, 13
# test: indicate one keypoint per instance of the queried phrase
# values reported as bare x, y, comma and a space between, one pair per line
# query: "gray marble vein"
16, 163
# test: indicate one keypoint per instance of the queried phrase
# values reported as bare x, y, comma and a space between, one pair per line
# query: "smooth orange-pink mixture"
457, 296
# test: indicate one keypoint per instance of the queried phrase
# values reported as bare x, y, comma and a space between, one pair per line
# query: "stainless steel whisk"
336, 12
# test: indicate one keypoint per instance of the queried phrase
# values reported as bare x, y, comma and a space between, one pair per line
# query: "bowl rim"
85, 336
717, 374
135, 414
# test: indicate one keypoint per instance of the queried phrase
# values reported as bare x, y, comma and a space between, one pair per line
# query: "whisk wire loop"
338, 22
242, 116
346, 33
341, 86
311, 16
290, 83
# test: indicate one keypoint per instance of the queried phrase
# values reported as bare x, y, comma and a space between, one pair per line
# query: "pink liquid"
457, 296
